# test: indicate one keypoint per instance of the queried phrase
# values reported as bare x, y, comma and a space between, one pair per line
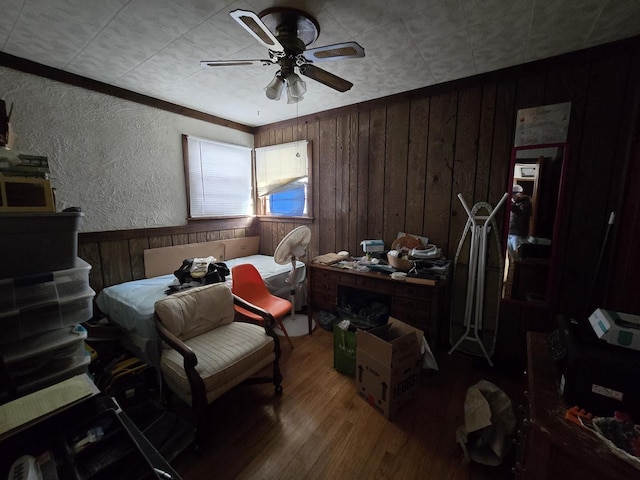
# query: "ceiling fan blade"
234, 63
338, 51
322, 76
252, 23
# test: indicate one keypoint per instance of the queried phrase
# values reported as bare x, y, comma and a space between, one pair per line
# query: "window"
282, 179
218, 178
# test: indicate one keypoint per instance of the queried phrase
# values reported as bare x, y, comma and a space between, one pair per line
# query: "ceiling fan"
286, 33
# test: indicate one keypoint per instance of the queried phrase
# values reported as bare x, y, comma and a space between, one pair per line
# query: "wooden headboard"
241, 247
166, 260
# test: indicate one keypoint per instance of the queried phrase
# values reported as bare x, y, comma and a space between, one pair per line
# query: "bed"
131, 304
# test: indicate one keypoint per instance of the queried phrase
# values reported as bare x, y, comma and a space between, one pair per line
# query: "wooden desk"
419, 305
551, 446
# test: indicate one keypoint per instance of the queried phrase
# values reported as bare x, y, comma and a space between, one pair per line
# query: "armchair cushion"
226, 356
190, 313
205, 350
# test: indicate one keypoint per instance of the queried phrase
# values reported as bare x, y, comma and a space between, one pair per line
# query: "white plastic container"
41, 360
21, 323
44, 288
39, 350
55, 372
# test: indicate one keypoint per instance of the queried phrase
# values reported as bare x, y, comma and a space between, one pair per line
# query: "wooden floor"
320, 429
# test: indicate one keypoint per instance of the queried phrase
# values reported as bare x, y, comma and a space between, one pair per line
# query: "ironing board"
478, 329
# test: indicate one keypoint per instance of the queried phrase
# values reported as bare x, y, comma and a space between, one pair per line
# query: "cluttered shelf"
420, 303
71, 430
552, 446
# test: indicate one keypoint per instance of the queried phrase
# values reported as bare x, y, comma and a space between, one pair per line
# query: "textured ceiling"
154, 47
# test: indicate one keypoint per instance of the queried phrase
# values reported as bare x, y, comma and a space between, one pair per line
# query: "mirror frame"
553, 257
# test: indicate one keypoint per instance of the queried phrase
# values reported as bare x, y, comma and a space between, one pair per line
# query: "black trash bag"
326, 320
216, 272
183, 274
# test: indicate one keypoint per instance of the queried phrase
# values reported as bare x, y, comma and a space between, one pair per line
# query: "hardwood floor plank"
321, 429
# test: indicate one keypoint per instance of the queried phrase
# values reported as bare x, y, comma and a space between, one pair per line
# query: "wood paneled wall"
398, 164
117, 256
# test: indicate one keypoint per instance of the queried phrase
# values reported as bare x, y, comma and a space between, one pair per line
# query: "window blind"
219, 178
281, 167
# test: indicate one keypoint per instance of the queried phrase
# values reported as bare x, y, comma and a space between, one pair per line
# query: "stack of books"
23, 165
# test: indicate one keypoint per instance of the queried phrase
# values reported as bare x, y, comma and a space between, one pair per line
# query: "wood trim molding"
27, 66
191, 227
34, 68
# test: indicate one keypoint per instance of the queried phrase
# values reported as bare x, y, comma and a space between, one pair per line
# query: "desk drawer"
324, 299
412, 290
324, 275
320, 287
414, 311
356, 281
419, 306
321, 280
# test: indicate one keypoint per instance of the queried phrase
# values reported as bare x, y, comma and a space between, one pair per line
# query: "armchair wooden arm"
268, 322
182, 348
190, 361
268, 318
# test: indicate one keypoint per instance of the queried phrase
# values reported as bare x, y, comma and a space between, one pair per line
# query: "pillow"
192, 312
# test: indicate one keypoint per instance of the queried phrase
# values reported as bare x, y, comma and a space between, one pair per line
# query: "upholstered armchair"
206, 353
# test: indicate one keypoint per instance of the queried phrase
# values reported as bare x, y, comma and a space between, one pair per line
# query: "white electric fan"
291, 248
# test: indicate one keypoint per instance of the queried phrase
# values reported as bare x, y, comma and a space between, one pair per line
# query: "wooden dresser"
551, 447
423, 306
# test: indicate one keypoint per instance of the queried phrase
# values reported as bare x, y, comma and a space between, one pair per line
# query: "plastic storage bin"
42, 360
24, 322
54, 372
43, 288
37, 351
38, 242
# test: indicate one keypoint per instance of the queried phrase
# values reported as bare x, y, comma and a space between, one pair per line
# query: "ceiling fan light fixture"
275, 87
286, 32
292, 99
296, 88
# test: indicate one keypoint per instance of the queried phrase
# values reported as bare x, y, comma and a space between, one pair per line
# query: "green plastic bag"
344, 348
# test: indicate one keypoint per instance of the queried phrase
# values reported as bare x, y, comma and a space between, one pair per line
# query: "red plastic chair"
247, 284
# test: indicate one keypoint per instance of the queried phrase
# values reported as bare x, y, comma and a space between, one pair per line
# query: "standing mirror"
533, 215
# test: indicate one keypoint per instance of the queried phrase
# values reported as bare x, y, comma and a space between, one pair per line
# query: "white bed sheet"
131, 304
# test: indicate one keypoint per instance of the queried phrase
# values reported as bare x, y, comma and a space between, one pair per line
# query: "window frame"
260, 204
185, 158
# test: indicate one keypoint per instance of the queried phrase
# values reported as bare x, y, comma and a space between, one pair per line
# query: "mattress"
130, 305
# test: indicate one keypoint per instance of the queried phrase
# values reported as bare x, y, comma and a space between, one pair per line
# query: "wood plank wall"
398, 164
117, 256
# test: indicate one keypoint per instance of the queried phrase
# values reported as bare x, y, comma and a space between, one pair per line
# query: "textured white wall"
119, 161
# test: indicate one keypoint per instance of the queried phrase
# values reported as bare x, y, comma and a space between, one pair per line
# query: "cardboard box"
616, 328
372, 246
388, 364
